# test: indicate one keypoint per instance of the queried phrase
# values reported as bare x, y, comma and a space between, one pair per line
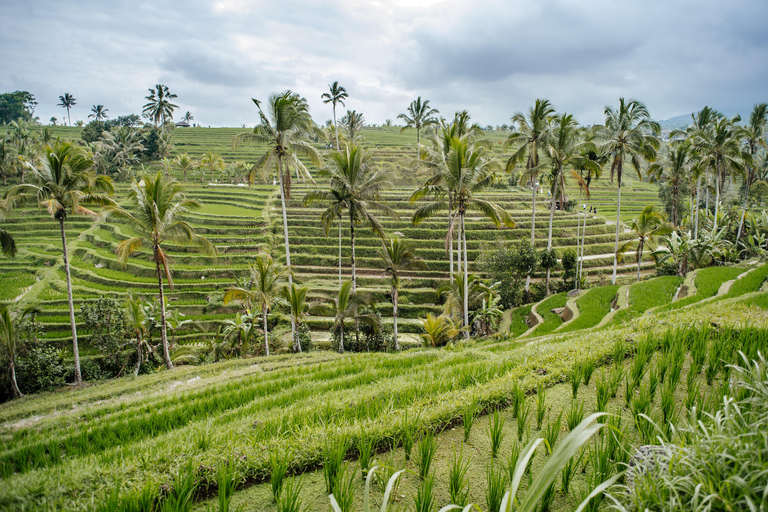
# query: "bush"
569, 268
510, 263
305, 337
42, 366
105, 320
93, 130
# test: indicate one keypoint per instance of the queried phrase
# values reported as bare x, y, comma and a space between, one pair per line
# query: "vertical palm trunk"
698, 192
69, 119
551, 223
583, 242
717, 199
743, 208
352, 240
466, 279
618, 226
706, 186
450, 241
285, 233
340, 251
639, 257
394, 317
533, 233
341, 338
266, 332
138, 356
163, 332
16, 391
417, 142
675, 206
335, 128
75, 349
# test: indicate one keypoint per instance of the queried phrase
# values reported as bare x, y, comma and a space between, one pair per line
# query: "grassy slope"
593, 306
551, 321
646, 295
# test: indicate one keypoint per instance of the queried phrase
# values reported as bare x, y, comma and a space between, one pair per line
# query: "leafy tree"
527, 141
548, 261
118, 150
336, 94
7, 243
26, 146
106, 322
67, 101
398, 256
469, 171
158, 206
6, 159
287, 121
16, 106
647, 228
420, 115
352, 123
98, 112
93, 131
509, 263
66, 182
570, 262
158, 107
627, 136
10, 340
356, 187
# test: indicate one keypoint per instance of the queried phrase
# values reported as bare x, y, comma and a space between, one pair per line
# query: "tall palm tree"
7, 243
346, 306
188, 117
398, 256
564, 146
66, 182
754, 137
627, 136
296, 298
336, 201
355, 186
675, 169
352, 122
185, 164
647, 227
469, 171
336, 94
420, 115
720, 150
137, 325
158, 107
98, 112
67, 101
267, 284
212, 162
10, 340
158, 206
286, 121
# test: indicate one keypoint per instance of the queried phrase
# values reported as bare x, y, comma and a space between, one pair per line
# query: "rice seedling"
518, 397
568, 471
522, 420
552, 431
714, 360
617, 375
182, 496
385, 471
496, 483
496, 432
541, 408
458, 483
575, 414
226, 479
629, 391
641, 401
407, 432
365, 448
603, 392
619, 352
693, 388
638, 368
699, 349
587, 369
668, 403
662, 365
514, 456
575, 378
279, 470
548, 497
333, 461
290, 497
653, 383
468, 418
344, 490
426, 451
424, 501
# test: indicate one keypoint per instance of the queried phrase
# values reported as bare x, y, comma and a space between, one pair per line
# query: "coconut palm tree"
336, 94
286, 121
10, 340
754, 137
627, 136
352, 122
527, 141
67, 101
185, 164
438, 330
135, 310
355, 186
7, 243
98, 112
720, 149
158, 107
66, 182
469, 171
675, 169
420, 115
337, 201
345, 306
158, 206
647, 228
212, 162
188, 117
268, 279
296, 298
398, 256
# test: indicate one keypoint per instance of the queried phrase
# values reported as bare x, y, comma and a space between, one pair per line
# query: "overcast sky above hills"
490, 57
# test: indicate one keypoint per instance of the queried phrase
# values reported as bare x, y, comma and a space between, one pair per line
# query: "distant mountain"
676, 123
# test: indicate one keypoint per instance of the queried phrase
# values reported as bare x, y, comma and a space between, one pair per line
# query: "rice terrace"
423, 314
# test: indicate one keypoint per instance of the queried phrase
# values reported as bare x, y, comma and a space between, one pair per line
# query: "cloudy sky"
490, 57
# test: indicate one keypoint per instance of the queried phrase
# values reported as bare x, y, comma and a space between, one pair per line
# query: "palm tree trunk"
266, 332
450, 241
533, 233
285, 233
138, 356
698, 192
417, 143
639, 258
551, 223
75, 349
717, 200
618, 225
69, 118
341, 338
352, 239
466, 279
583, 242
706, 186
394, 317
743, 211
335, 128
16, 391
163, 333
459, 253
